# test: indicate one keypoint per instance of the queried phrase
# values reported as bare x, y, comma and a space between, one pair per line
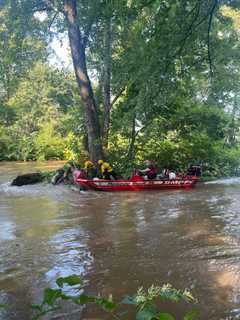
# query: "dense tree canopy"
153, 79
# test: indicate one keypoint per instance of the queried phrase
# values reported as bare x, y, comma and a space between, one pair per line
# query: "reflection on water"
118, 242
227, 181
7, 230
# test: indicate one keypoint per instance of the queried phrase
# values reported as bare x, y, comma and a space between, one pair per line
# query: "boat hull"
128, 185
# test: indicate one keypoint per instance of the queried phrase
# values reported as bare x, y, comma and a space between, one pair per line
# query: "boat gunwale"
130, 185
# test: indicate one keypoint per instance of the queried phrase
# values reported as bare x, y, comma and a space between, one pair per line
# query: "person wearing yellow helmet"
89, 169
100, 162
88, 164
106, 170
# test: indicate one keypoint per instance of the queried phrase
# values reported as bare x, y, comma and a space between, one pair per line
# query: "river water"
118, 242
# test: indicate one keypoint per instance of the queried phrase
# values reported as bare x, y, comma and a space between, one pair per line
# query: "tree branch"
51, 22
87, 32
208, 36
48, 5
188, 33
133, 138
117, 96
192, 27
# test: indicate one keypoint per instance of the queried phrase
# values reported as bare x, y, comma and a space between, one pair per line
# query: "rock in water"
29, 178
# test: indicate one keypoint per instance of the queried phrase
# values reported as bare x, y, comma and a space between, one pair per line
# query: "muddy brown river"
118, 242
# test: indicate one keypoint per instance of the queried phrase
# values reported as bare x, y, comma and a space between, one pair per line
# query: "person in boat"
172, 175
165, 173
106, 171
90, 170
150, 171
65, 174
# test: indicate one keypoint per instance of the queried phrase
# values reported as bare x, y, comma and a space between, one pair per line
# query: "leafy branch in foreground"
144, 302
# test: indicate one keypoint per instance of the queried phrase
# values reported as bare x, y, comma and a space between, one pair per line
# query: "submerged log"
28, 178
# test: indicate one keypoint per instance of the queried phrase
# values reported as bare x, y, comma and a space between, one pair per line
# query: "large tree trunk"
107, 80
86, 92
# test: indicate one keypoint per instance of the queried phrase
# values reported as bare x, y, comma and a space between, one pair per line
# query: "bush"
143, 302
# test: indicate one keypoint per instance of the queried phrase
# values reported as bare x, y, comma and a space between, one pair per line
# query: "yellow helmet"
88, 164
100, 162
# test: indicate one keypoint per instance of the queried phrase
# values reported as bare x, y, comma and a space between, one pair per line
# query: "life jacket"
153, 169
78, 174
172, 175
152, 173
166, 172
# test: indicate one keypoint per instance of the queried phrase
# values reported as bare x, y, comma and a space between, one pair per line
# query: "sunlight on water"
7, 231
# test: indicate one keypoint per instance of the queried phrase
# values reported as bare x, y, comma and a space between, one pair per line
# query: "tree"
21, 44
47, 122
145, 71
84, 84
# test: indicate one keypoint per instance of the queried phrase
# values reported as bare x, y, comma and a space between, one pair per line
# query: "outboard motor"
194, 170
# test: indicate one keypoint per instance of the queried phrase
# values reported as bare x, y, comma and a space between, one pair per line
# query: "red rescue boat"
136, 183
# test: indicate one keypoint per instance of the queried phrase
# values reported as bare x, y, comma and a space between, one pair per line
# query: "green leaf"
129, 300
71, 280
3, 306
192, 315
51, 295
106, 304
83, 298
165, 316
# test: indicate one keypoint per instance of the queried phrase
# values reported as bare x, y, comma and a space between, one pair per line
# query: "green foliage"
143, 302
71, 280
22, 43
45, 124
48, 143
